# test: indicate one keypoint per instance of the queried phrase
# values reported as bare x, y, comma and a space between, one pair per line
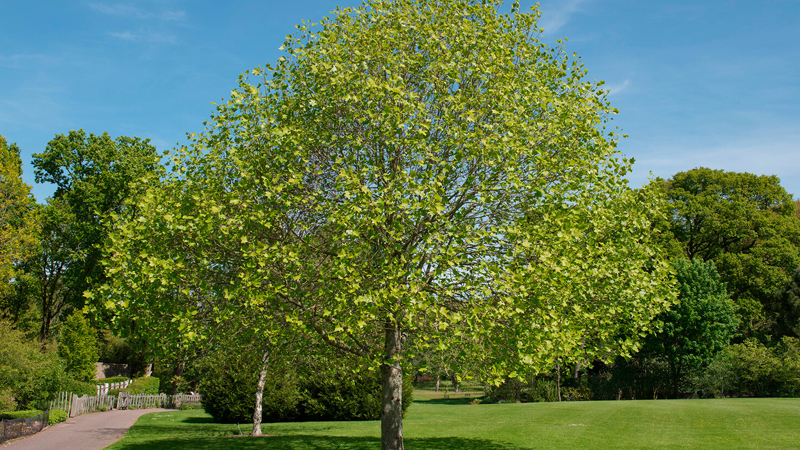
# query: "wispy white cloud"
130, 11
614, 89
555, 16
145, 36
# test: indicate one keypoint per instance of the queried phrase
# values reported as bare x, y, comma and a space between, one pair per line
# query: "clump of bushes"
28, 377
144, 385
309, 391
57, 416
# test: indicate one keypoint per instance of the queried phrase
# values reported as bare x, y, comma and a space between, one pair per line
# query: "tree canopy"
699, 325
94, 175
18, 227
746, 224
408, 165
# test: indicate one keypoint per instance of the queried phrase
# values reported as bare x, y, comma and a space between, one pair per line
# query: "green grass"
448, 425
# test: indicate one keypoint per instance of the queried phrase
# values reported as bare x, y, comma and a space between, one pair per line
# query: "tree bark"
262, 376
392, 392
438, 379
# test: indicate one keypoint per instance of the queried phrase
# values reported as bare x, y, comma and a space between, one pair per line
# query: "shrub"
540, 389
31, 376
78, 347
80, 388
28, 413
144, 385
116, 391
57, 416
316, 391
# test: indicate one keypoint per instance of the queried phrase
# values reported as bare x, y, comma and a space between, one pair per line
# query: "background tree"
698, 326
747, 225
94, 175
420, 163
18, 227
78, 347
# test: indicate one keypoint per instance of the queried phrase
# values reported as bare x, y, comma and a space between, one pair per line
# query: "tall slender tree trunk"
392, 391
558, 381
262, 377
438, 379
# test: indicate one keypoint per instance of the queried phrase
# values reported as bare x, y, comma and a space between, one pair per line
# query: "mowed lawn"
434, 425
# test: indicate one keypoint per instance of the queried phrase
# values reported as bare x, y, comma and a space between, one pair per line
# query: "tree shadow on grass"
450, 401
316, 443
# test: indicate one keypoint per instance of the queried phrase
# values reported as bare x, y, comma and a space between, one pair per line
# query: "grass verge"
443, 425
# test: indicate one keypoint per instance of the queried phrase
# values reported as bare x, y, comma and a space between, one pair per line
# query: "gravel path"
87, 432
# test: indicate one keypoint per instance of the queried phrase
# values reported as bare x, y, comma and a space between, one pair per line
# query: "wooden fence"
75, 406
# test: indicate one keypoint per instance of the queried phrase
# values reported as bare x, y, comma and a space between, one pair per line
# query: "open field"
448, 425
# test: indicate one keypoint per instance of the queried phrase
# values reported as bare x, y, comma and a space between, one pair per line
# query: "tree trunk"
262, 376
148, 370
438, 379
558, 381
392, 392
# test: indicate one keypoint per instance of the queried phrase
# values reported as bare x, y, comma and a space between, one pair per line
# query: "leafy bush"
80, 388
316, 391
10, 415
144, 385
78, 347
57, 416
31, 376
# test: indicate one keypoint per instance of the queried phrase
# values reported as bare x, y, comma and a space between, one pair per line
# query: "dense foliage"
406, 166
314, 390
748, 225
78, 347
18, 228
32, 376
698, 326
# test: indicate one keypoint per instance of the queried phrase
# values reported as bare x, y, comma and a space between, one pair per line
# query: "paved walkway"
87, 432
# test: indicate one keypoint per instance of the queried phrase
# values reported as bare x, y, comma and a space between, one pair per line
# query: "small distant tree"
701, 324
78, 347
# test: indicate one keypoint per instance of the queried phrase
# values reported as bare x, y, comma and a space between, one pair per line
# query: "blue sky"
711, 83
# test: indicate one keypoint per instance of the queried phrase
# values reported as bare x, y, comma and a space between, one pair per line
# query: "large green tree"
698, 326
18, 227
414, 164
747, 225
94, 175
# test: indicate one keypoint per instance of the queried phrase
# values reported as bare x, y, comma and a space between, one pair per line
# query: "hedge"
144, 385
10, 415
